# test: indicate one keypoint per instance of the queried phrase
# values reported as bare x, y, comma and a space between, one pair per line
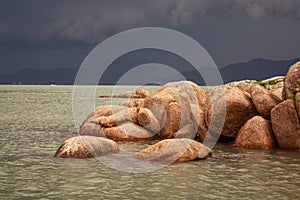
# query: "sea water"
34, 121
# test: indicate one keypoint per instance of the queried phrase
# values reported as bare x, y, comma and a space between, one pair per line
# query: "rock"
175, 109
139, 103
129, 114
127, 94
86, 147
108, 110
237, 110
139, 93
128, 131
115, 122
129, 104
142, 93
297, 103
175, 150
172, 107
91, 126
274, 84
278, 94
243, 85
285, 124
256, 134
290, 81
264, 100
146, 119
104, 96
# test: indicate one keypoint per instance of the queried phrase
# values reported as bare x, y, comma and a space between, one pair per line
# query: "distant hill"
257, 69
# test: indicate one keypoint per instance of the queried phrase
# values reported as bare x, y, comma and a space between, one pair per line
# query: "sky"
60, 33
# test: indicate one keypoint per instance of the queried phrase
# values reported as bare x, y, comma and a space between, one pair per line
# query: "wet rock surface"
86, 147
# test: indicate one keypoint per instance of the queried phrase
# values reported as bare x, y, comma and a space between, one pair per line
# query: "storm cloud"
92, 21
57, 33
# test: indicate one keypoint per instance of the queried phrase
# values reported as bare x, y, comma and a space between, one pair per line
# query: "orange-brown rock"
86, 147
297, 103
285, 124
129, 114
139, 93
146, 119
264, 100
142, 93
108, 110
139, 103
175, 150
290, 81
256, 134
278, 94
129, 104
172, 107
231, 106
127, 131
91, 126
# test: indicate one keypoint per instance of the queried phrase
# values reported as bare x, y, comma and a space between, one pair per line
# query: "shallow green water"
34, 120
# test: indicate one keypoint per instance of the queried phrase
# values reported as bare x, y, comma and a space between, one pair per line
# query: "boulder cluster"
181, 115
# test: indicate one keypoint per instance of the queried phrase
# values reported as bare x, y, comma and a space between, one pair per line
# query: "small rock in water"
86, 147
175, 150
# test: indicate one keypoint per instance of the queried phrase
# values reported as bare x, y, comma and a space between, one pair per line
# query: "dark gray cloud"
231, 30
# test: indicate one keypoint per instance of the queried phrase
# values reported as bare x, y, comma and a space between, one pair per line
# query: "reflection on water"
34, 120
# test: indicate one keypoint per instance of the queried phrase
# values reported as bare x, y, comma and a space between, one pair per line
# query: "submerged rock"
86, 147
285, 124
256, 134
264, 100
139, 93
175, 150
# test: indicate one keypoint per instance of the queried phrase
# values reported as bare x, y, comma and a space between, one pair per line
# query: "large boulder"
176, 105
231, 106
86, 147
290, 81
256, 134
175, 150
175, 110
285, 124
264, 100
